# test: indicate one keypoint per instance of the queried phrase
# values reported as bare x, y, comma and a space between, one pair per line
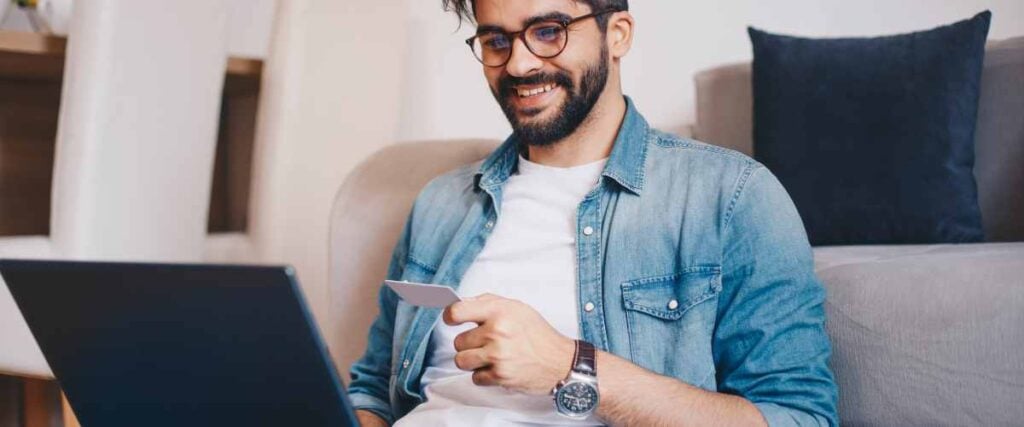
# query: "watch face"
576, 398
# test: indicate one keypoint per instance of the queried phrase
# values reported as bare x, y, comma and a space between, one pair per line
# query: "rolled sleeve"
371, 403
770, 344
781, 416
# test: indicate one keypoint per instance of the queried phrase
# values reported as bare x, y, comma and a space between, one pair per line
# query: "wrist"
564, 361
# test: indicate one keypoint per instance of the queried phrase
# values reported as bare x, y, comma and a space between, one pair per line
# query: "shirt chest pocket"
670, 320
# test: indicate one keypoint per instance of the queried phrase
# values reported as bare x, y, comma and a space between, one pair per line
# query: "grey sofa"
923, 335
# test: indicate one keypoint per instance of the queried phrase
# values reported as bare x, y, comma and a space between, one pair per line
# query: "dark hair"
464, 8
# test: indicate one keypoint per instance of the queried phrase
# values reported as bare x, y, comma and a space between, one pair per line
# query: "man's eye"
495, 42
547, 33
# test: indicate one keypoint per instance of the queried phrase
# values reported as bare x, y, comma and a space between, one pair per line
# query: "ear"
620, 34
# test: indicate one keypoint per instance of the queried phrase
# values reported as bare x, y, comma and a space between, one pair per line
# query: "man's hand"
513, 346
369, 419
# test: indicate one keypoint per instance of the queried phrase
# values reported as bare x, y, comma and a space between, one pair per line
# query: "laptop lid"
176, 345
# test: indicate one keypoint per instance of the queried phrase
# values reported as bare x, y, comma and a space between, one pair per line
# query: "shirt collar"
625, 164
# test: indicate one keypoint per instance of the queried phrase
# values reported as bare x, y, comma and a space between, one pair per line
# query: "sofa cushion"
926, 334
874, 137
999, 141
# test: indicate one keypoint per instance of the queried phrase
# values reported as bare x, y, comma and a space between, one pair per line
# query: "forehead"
513, 14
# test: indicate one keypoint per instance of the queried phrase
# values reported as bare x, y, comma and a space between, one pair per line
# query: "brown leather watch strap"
585, 361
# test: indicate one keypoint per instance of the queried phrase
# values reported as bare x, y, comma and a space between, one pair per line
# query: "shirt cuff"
373, 404
780, 416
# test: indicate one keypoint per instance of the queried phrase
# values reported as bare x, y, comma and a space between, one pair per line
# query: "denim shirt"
692, 257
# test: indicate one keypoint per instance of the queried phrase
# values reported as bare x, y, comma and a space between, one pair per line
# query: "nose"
522, 62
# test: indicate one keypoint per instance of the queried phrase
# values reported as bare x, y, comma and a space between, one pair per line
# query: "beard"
573, 111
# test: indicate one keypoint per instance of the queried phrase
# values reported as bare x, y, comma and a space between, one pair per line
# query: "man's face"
545, 100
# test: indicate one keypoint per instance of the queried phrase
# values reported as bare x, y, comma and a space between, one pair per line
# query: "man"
614, 274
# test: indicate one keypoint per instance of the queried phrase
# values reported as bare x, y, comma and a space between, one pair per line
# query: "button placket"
589, 271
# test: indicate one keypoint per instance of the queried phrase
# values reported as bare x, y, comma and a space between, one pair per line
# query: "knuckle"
498, 351
460, 360
492, 335
500, 373
454, 311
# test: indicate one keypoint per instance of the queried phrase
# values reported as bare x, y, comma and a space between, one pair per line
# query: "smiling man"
614, 274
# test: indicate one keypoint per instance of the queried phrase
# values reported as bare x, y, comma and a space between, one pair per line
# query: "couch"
922, 334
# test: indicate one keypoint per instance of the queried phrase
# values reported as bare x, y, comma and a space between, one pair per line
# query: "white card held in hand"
424, 295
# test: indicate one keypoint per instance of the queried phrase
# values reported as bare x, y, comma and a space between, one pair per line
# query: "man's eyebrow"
550, 16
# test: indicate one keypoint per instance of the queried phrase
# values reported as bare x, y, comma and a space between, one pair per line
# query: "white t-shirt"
530, 256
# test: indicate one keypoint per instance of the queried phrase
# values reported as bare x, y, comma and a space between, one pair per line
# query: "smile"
523, 93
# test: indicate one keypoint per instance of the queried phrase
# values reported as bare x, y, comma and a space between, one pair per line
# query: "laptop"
180, 345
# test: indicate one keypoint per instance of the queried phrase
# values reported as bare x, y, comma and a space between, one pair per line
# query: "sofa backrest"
367, 216
725, 118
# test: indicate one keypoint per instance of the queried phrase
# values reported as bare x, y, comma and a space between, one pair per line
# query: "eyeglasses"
545, 39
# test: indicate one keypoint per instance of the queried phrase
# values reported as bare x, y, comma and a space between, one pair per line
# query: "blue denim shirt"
671, 219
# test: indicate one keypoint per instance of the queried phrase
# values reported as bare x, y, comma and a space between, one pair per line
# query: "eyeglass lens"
544, 39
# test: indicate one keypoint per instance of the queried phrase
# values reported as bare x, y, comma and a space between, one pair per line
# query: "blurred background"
220, 131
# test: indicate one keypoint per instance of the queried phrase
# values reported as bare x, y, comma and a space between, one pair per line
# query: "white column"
138, 128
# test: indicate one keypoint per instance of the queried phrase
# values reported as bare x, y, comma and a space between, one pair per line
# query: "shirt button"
405, 364
672, 305
490, 224
588, 307
588, 230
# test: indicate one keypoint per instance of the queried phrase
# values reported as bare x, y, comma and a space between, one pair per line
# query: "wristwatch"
577, 395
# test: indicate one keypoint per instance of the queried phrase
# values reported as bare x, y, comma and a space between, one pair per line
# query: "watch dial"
577, 397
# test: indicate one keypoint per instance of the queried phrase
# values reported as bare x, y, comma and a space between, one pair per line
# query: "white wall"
249, 27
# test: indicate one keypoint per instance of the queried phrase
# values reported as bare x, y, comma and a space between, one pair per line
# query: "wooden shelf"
34, 56
31, 43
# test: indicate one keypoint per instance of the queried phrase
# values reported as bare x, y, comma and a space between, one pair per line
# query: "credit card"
424, 295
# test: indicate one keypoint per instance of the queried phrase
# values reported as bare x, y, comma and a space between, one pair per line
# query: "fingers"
473, 338
487, 297
472, 359
477, 310
484, 377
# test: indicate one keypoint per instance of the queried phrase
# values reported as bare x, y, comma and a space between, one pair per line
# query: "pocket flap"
669, 297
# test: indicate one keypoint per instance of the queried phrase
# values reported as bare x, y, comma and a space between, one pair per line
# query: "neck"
591, 141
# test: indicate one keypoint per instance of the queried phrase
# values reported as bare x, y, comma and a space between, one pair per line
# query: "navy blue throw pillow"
873, 138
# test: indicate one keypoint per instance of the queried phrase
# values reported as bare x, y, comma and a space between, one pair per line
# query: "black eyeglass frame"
521, 35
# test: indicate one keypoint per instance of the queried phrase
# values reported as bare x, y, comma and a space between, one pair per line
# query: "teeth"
524, 93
